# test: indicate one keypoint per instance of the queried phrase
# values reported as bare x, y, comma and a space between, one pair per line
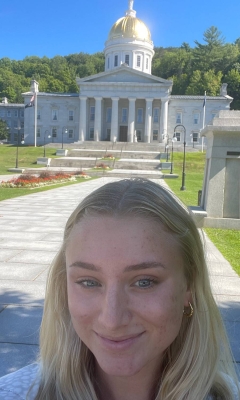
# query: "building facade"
124, 103
13, 115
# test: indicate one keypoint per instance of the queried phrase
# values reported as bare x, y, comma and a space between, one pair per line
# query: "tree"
204, 81
3, 130
232, 78
207, 56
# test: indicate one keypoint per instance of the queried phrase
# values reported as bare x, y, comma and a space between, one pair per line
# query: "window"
91, 133
38, 132
196, 117
55, 115
22, 124
15, 124
139, 115
38, 114
127, 59
109, 115
155, 134
16, 113
108, 62
178, 136
70, 133
9, 114
139, 135
115, 60
22, 113
195, 136
147, 62
138, 61
54, 132
155, 115
124, 115
15, 137
70, 115
179, 118
108, 134
2, 114
92, 113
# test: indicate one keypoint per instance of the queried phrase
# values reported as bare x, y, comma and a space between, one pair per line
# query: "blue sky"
51, 27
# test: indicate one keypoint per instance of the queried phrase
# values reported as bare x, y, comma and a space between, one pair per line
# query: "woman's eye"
88, 283
145, 283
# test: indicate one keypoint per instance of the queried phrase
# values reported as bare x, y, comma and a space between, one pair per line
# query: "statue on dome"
130, 4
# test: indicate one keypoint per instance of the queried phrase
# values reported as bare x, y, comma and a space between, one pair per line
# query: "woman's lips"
119, 343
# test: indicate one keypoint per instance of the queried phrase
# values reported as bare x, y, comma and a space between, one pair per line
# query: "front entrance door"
123, 133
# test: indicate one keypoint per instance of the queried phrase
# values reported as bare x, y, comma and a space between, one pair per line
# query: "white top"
15, 386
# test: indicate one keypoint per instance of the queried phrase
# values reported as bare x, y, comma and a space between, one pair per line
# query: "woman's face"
126, 291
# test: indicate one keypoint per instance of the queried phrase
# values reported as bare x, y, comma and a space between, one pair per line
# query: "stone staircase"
130, 159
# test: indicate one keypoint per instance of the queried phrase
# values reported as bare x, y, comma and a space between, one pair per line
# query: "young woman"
129, 313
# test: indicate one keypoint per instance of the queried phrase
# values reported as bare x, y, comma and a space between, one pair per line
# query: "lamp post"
64, 130
22, 142
167, 147
48, 135
181, 128
174, 139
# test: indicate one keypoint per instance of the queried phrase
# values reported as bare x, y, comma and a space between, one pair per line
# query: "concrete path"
31, 229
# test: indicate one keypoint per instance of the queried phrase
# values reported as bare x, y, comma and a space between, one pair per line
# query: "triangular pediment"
126, 75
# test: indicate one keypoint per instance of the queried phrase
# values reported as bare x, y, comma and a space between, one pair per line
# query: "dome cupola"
129, 42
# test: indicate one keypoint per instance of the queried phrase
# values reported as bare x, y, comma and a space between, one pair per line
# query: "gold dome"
130, 27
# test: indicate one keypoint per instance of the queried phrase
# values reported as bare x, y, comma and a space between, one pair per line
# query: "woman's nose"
114, 311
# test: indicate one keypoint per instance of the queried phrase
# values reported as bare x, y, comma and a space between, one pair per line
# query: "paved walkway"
31, 229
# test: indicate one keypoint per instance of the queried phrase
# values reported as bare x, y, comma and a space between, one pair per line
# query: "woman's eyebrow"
84, 265
144, 265
129, 268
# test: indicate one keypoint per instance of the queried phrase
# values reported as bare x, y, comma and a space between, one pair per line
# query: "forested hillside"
193, 70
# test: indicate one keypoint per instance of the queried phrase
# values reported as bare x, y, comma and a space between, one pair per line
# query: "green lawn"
194, 171
27, 157
227, 241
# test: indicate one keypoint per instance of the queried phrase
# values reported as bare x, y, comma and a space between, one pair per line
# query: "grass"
194, 170
227, 242
27, 157
10, 193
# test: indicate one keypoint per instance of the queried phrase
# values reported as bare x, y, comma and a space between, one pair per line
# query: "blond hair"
195, 364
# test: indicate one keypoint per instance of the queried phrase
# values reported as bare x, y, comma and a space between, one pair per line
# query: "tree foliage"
193, 70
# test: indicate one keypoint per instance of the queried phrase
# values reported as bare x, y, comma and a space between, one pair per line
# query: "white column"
164, 119
83, 118
114, 122
98, 119
131, 119
148, 121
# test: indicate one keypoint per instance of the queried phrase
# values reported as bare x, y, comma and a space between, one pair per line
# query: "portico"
112, 110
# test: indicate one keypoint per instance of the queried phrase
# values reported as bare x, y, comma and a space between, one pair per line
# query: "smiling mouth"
119, 339
119, 343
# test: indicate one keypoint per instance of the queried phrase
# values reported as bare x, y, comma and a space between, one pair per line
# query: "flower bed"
43, 179
108, 157
102, 166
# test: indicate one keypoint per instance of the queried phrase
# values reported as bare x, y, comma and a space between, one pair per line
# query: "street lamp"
22, 142
167, 147
64, 130
48, 135
174, 139
181, 128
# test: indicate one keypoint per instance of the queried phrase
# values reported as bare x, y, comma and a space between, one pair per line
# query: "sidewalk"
31, 229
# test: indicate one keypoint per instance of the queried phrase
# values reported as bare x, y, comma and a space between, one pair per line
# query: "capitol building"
125, 103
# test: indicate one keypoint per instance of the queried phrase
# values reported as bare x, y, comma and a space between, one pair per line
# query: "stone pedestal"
221, 185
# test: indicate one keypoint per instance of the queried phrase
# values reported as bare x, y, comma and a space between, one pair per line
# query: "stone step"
115, 153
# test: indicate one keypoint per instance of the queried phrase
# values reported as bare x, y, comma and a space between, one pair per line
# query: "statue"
130, 4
